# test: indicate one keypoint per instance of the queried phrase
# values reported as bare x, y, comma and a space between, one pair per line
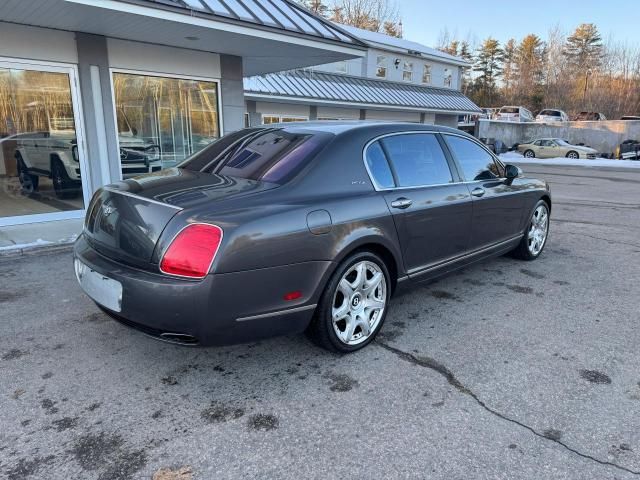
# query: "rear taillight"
192, 252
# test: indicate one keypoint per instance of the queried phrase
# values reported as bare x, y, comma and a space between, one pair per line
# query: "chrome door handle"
401, 203
477, 192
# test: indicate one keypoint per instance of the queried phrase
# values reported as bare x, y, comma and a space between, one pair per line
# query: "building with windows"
93, 92
396, 80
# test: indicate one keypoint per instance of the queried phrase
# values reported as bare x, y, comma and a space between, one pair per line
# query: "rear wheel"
354, 304
535, 238
28, 182
62, 184
529, 154
573, 155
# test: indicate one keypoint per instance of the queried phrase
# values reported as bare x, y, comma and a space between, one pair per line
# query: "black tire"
28, 181
529, 154
64, 187
573, 154
321, 330
522, 251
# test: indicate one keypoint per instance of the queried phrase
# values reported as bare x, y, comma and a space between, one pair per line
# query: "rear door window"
475, 161
417, 160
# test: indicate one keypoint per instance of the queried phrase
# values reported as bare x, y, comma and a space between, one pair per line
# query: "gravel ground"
504, 370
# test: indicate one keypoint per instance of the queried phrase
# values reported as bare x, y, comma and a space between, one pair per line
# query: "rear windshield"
550, 113
271, 155
510, 110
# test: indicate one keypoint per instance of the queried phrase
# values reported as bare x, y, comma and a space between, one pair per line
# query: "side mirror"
511, 172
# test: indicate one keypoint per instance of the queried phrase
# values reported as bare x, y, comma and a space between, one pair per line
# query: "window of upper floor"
448, 77
341, 67
407, 71
381, 66
426, 73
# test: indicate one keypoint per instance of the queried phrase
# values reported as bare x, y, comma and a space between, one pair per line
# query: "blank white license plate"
104, 290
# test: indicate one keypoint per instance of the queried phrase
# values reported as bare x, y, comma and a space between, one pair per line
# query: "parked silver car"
555, 147
552, 115
514, 114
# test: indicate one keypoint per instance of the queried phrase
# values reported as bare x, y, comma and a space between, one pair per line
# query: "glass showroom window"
407, 71
161, 121
270, 118
381, 66
39, 157
426, 73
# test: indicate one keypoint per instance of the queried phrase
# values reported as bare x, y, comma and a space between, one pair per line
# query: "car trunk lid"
125, 220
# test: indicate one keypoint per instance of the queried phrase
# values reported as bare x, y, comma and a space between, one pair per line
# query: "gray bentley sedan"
302, 227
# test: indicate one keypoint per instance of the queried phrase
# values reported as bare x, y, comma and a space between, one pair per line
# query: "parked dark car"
589, 117
302, 227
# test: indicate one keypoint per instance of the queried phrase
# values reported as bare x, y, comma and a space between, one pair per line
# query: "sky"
423, 20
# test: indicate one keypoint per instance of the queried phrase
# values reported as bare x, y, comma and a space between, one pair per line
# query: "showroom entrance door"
43, 168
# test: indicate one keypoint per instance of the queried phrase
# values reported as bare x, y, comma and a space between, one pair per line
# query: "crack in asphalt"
436, 366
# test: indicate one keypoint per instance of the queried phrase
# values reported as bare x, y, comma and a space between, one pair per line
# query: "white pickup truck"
53, 153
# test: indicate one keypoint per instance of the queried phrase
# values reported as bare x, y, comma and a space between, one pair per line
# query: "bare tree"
368, 14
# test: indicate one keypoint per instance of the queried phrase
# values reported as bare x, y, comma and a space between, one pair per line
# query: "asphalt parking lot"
504, 370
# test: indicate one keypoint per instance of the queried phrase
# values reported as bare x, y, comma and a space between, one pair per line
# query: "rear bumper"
222, 309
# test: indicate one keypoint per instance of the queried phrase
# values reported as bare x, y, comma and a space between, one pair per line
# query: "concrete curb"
11, 253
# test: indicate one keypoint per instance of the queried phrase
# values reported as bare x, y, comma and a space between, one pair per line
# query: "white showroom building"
93, 91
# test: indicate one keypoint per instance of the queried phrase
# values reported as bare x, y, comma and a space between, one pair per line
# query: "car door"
431, 208
497, 204
555, 150
546, 149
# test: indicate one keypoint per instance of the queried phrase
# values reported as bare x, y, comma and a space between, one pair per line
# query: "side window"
417, 159
537, 143
379, 167
475, 161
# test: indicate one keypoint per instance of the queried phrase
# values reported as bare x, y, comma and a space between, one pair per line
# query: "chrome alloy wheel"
538, 230
573, 155
359, 302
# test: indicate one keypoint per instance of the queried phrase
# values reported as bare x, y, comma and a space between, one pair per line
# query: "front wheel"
28, 182
534, 240
354, 304
529, 154
573, 155
62, 184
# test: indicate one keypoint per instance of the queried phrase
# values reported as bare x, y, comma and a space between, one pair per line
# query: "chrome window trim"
378, 188
276, 313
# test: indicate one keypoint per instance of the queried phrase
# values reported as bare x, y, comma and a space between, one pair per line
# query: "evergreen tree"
509, 74
584, 51
530, 67
466, 55
489, 67
584, 47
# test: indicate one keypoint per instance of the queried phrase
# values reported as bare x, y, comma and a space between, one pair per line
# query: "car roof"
337, 127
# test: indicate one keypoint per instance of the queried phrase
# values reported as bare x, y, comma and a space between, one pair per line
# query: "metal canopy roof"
279, 14
318, 87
